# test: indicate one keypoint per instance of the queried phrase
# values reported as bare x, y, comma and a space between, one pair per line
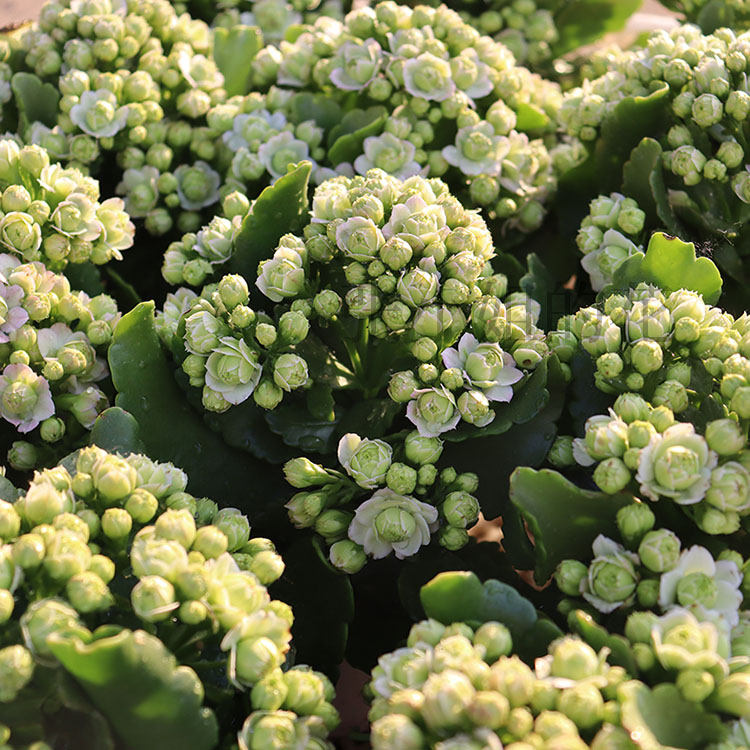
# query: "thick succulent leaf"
583, 21
347, 137
323, 605
234, 48
8, 491
661, 719
563, 519
171, 430
459, 596
116, 431
280, 209
36, 101
643, 180
632, 119
715, 15
671, 264
597, 637
318, 107
136, 683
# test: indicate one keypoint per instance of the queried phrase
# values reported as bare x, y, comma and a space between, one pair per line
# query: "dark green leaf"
116, 431
320, 402
298, 428
538, 283
323, 605
563, 519
171, 430
234, 49
715, 15
318, 107
662, 718
347, 137
85, 276
134, 681
583, 21
36, 101
8, 491
281, 208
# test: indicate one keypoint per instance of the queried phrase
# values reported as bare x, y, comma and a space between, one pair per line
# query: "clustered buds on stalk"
53, 214
51, 344
70, 541
456, 97
390, 497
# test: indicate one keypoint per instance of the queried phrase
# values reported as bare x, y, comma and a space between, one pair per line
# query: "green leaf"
234, 48
671, 264
632, 119
171, 430
116, 431
85, 276
530, 118
715, 15
8, 491
538, 283
563, 518
36, 101
281, 208
298, 428
347, 137
661, 719
643, 180
597, 637
135, 683
583, 21
323, 604
318, 107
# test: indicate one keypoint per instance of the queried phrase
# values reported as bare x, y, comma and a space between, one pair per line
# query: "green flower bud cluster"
389, 498
433, 69
73, 542
53, 214
233, 352
645, 341
640, 444
52, 346
290, 707
608, 235
657, 575
456, 687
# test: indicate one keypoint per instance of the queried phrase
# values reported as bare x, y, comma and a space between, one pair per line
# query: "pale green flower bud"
141, 505
103, 567
7, 604
725, 436
347, 556
695, 685
114, 478
583, 704
66, 555
10, 521
302, 473
235, 526
153, 599
696, 588
87, 592
460, 509
707, 110
402, 386
730, 488
28, 551
453, 538
569, 575
659, 550
16, 671
639, 625
612, 475
233, 291
422, 450
573, 659
661, 418
332, 524
43, 502
427, 475
293, 327
363, 301
732, 695
267, 394
267, 566
210, 541
396, 731
401, 478
673, 394
634, 521
631, 407
255, 657
116, 523
327, 304
22, 456
495, 639
178, 525
513, 679
447, 695
47, 616
290, 372
646, 356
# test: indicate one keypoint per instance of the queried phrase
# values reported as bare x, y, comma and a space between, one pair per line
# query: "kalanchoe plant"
463, 109
52, 342
54, 214
114, 557
370, 510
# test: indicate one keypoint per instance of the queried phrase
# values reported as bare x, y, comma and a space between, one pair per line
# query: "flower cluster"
51, 344
52, 213
400, 264
370, 510
74, 539
457, 98
458, 687
654, 572
608, 236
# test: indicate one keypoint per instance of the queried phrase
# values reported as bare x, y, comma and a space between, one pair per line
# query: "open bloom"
703, 585
676, 464
477, 150
233, 370
612, 577
389, 153
485, 366
433, 411
389, 522
356, 64
365, 461
98, 114
279, 152
25, 398
429, 77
